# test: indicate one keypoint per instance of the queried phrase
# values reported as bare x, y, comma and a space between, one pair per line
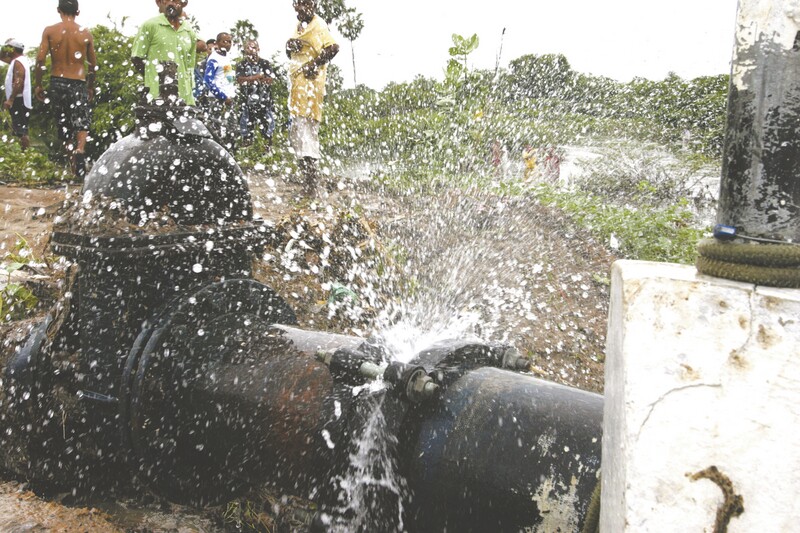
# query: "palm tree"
242, 32
350, 26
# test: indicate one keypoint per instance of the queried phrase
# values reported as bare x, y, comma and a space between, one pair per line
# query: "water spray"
164, 361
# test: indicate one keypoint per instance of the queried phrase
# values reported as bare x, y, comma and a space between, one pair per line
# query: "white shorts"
304, 137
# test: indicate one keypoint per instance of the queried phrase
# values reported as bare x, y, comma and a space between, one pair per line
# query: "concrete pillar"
760, 185
700, 372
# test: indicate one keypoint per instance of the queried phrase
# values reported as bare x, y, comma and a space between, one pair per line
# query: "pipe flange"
171, 351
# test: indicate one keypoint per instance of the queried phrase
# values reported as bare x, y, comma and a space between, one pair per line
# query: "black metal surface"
170, 166
760, 189
196, 387
500, 451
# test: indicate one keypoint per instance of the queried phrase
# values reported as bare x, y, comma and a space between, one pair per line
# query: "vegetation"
16, 300
424, 134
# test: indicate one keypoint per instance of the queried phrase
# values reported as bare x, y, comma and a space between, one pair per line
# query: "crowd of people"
233, 97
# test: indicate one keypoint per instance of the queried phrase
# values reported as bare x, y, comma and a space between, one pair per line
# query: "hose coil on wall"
774, 265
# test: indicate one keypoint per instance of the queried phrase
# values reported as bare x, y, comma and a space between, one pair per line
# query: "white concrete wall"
700, 371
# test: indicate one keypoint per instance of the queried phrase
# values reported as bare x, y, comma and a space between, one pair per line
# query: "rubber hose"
592, 522
774, 265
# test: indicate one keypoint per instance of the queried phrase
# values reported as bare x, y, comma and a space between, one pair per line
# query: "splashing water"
372, 491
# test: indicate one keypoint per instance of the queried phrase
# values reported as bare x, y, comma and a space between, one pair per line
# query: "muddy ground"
529, 276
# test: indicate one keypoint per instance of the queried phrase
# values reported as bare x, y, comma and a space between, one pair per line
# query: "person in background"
497, 156
200, 92
167, 37
219, 79
529, 158
211, 45
254, 76
18, 90
309, 49
72, 71
552, 164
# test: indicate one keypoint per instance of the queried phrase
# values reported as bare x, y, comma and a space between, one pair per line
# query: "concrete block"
700, 372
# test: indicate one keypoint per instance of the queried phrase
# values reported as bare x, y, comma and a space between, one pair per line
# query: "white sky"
615, 38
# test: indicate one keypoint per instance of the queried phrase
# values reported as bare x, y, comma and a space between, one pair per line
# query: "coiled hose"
774, 265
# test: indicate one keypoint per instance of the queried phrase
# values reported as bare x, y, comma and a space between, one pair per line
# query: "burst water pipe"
166, 362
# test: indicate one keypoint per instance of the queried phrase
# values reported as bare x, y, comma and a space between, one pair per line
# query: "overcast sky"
616, 38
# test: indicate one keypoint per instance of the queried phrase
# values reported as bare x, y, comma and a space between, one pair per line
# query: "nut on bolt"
512, 359
420, 386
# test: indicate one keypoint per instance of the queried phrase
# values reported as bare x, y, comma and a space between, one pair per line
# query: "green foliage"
247, 515
533, 76
116, 89
336, 10
459, 52
350, 24
16, 300
30, 168
650, 234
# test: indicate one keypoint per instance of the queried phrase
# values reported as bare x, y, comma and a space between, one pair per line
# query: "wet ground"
530, 277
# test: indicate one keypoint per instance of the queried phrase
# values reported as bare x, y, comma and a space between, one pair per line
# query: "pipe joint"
413, 382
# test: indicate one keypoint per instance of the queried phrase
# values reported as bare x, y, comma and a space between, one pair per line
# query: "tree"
462, 47
331, 10
540, 76
350, 26
242, 32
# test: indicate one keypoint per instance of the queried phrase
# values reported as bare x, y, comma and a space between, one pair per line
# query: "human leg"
267, 124
246, 125
20, 115
308, 168
304, 139
70, 104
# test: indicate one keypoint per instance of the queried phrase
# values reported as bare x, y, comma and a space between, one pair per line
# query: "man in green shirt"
167, 37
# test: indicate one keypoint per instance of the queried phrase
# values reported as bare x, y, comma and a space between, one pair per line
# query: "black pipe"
501, 451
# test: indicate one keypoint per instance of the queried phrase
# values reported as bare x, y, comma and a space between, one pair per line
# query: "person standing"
552, 164
529, 157
219, 79
310, 49
18, 90
254, 76
72, 72
167, 37
204, 50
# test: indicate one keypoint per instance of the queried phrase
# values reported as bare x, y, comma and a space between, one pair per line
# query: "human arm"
91, 60
292, 46
209, 80
41, 66
255, 78
141, 45
17, 84
311, 68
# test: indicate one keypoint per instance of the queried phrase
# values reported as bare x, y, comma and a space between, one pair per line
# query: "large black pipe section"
760, 187
500, 451
164, 212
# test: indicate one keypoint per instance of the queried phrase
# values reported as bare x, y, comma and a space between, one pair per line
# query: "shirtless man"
72, 72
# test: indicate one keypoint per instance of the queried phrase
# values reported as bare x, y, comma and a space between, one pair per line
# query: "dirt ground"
516, 269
